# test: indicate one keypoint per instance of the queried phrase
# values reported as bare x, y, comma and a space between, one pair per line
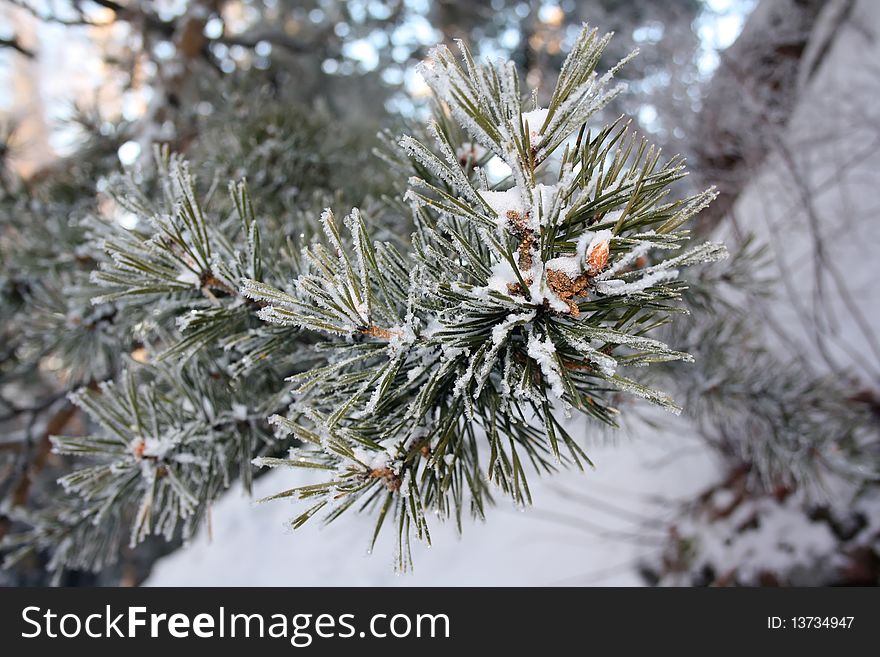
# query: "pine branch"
412, 376
514, 304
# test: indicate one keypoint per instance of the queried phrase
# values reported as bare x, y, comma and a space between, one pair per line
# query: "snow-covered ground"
584, 529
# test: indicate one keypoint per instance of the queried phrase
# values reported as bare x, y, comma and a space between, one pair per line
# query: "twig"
16, 45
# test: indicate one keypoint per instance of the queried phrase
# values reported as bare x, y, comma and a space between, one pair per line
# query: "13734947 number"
809, 622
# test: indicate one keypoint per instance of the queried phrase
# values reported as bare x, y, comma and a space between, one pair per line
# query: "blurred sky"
69, 67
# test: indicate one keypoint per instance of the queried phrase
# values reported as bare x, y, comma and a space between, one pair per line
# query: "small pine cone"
515, 289
519, 223
568, 289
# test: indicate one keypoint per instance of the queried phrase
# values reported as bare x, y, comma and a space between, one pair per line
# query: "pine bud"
597, 259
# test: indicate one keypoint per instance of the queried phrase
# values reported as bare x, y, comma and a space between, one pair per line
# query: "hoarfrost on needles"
544, 353
502, 330
617, 287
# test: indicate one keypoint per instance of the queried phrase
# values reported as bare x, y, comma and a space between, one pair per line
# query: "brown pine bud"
598, 258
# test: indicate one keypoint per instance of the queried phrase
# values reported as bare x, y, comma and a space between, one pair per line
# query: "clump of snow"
544, 353
612, 216
502, 276
503, 203
373, 459
189, 277
535, 120
571, 266
239, 412
545, 195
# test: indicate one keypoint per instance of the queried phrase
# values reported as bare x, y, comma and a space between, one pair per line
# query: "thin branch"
14, 44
